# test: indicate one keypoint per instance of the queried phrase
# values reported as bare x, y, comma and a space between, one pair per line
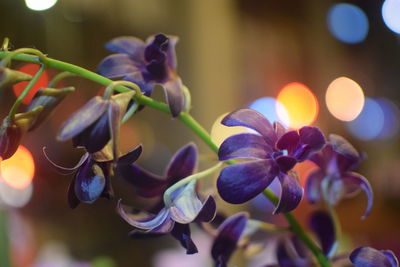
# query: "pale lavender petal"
244, 145
64, 170
132, 46
391, 257
369, 257
323, 226
83, 118
171, 55
291, 194
116, 66
144, 220
174, 94
229, 233
252, 119
239, 183
182, 164
313, 186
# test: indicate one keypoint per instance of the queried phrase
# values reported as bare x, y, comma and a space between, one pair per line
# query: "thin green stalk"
59, 77
21, 97
188, 120
4, 241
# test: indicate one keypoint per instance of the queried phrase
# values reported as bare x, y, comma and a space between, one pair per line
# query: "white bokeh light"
40, 5
391, 14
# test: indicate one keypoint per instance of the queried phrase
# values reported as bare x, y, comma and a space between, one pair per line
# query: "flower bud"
48, 98
9, 77
11, 131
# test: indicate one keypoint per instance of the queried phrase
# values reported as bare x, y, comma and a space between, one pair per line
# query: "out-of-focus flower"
227, 239
12, 130
334, 180
9, 77
48, 98
92, 176
93, 125
275, 150
146, 64
174, 217
370, 257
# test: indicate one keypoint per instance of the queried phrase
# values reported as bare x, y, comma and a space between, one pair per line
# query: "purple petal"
314, 140
288, 141
146, 183
181, 232
132, 46
182, 164
174, 94
89, 182
323, 226
346, 185
241, 182
291, 194
279, 129
313, 186
228, 236
208, 211
348, 158
391, 257
63, 170
244, 145
116, 66
186, 206
131, 156
252, 119
83, 118
137, 78
171, 55
369, 257
144, 220
285, 163
290, 253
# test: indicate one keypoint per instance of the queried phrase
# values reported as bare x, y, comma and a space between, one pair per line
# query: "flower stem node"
9, 77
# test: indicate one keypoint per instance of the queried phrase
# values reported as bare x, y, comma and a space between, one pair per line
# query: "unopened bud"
9, 77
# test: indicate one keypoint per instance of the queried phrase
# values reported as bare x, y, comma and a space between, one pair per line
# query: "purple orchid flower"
227, 238
275, 152
334, 179
92, 175
370, 257
96, 123
174, 217
146, 64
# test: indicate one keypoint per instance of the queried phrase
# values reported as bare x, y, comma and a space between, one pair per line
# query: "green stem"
4, 240
190, 178
59, 77
21, 97
187, 119
11, 55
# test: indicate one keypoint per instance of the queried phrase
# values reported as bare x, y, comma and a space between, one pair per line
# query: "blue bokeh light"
391, 122
267, 107
369, 124
348, 23
391, 15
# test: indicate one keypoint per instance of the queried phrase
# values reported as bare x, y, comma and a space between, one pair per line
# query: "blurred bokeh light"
391, 15
268, 106
40, 5
347, 23
220, 132
300, 106
369, 124
344, 99
391, 123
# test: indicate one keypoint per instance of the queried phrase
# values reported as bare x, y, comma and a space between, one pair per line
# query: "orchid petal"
131, 156
252, 119
89, 182
323, 226
288, 141
229, 233
391, 257
369, 257
117, 65
144, 220
313, 186
186, 205
171, 55
314, 140
174, 94
241, 182
291, 194
244, 145
182, 164
181, 232
132, 46
285, 163
83, 118
64, 170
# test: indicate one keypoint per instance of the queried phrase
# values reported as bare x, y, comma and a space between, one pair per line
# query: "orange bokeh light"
18, 171
41, 82
303, 169
300, 104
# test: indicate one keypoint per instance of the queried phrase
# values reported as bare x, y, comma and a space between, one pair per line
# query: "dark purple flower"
370, 257
291, 252
228, 236
323, 226
92, 176
275, 152
184, 208
146, 64
334, 179
93, 125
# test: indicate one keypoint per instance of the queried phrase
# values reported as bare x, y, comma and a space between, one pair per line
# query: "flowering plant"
248, 162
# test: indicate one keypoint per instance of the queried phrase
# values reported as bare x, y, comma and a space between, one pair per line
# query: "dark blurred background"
230, 53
